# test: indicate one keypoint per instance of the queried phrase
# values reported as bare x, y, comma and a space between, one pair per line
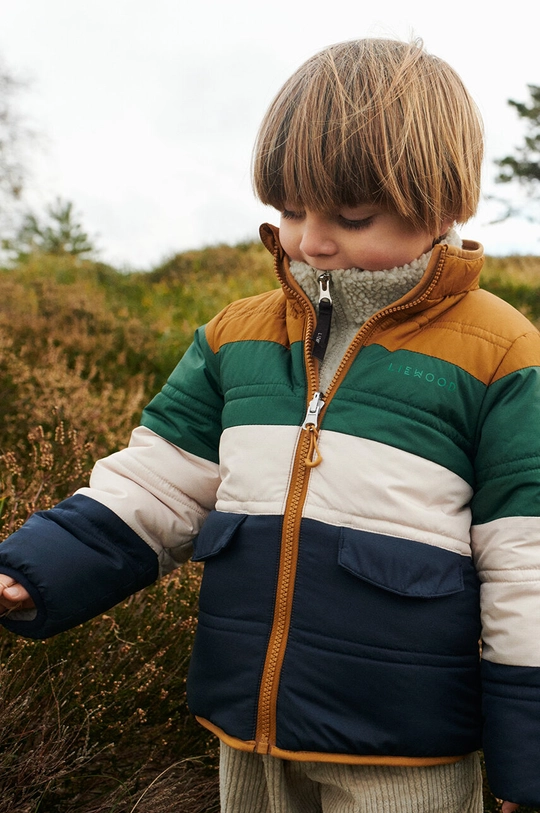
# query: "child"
351, 456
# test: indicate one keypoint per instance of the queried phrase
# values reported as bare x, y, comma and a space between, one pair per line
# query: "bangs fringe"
374, 121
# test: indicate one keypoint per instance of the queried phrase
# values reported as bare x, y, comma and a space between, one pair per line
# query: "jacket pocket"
216, 533
401, 566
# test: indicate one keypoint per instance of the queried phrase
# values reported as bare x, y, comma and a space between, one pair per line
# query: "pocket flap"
401, 566
215, 534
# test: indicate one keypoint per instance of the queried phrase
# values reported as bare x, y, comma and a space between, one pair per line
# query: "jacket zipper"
306, 457
266, 713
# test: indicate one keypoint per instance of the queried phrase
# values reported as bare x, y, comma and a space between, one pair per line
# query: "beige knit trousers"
254, 783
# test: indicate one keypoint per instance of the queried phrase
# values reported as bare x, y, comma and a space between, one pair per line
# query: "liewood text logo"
423, 375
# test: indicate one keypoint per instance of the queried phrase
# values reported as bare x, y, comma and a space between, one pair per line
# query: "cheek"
384, 254
289, 240
415, 243
403, 249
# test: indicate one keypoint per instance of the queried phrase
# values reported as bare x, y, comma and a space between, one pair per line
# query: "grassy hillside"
92, 718
517, 280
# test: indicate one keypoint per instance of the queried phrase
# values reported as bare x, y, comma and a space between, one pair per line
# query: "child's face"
365, 237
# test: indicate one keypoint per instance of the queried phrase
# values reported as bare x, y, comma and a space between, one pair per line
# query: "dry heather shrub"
39, 741
53, 425
34, 392
97, 713
184, 786
34, 479
50, 302
112, 326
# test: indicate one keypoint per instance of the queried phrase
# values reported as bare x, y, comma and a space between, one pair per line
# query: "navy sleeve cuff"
77, 560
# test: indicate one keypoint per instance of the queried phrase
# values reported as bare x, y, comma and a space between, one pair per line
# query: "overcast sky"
148, 110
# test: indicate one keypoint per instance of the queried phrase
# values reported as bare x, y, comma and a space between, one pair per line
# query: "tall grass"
95, 719
91, 717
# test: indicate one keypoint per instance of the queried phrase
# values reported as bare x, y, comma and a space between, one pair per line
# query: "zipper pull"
322, 331
313, 411
311, 423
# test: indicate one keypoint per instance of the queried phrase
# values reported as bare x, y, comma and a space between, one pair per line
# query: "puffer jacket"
358, 543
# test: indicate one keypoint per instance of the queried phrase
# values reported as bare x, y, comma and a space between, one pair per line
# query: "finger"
16, 592
19, 597
14, 595
5, 581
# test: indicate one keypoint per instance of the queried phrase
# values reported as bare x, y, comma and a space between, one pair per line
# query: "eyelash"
350, 225
355, 225
288, 215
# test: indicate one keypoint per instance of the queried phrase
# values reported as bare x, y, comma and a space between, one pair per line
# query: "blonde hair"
376, 121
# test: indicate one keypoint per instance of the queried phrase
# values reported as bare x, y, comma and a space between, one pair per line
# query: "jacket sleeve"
137, 518
506, 547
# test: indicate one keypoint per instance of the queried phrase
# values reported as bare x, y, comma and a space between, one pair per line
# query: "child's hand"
13, 595
508, 807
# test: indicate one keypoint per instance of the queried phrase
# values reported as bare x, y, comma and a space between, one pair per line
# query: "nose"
317, 240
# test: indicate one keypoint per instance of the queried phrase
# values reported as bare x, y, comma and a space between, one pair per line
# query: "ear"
447, 224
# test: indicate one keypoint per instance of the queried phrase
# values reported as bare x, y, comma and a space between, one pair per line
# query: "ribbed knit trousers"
254, 783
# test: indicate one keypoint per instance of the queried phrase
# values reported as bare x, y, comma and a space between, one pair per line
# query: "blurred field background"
94, 720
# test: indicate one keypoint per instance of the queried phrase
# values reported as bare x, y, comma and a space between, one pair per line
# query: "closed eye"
288, 214
355, 225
